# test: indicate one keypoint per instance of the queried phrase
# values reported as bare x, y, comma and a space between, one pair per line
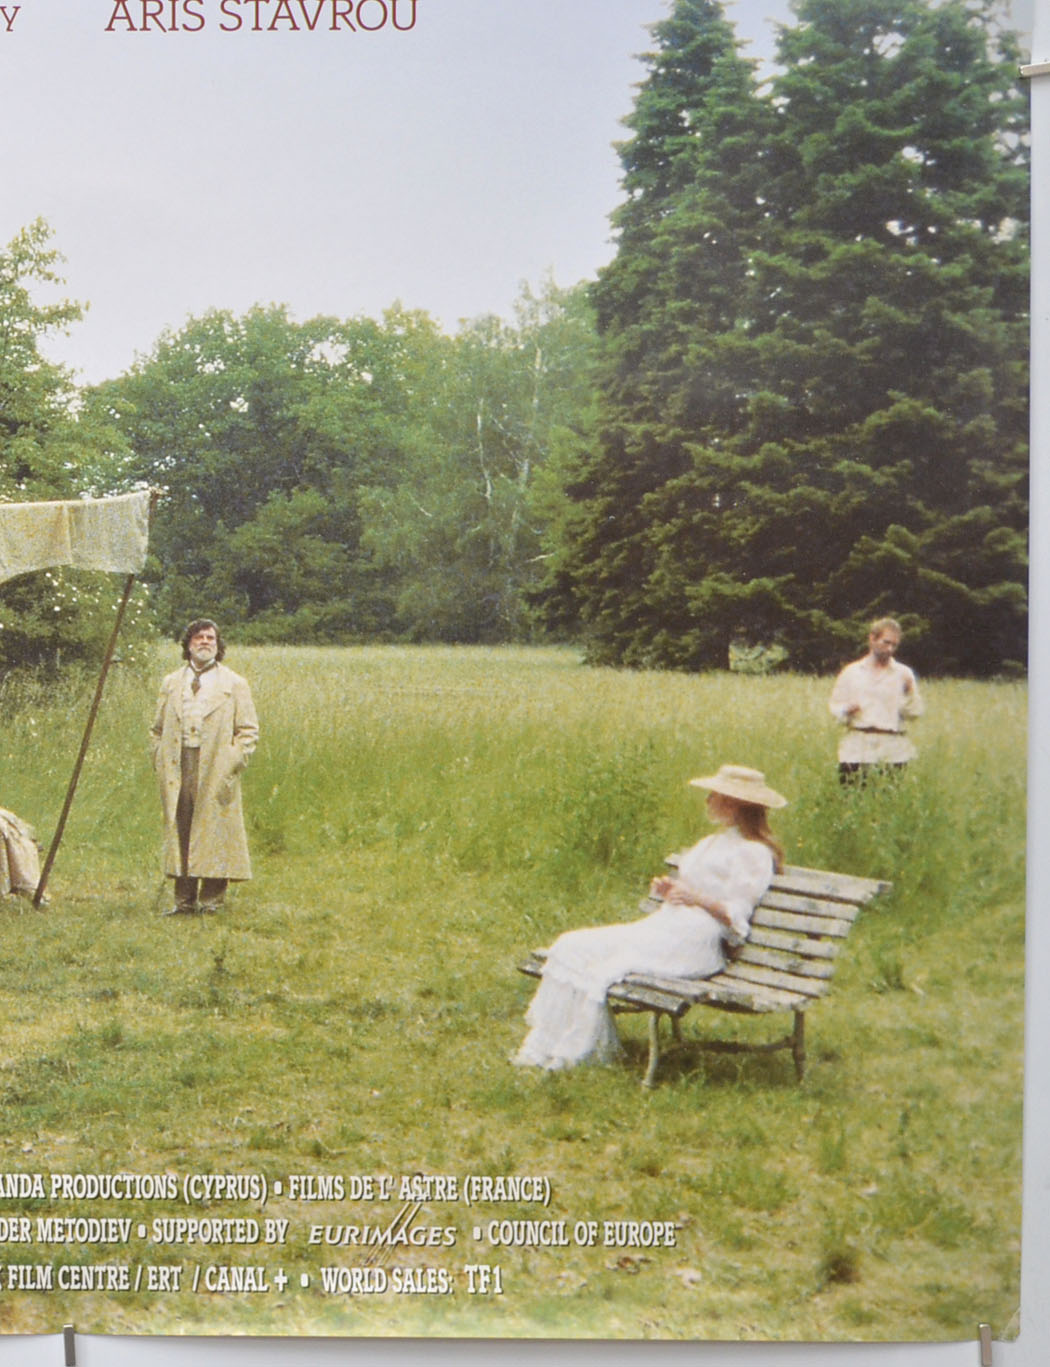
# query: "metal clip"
985, 1334
69, 1336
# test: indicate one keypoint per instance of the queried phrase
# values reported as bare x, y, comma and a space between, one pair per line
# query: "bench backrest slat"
809, 925
840, 887
798, 964
809, 906
792, 944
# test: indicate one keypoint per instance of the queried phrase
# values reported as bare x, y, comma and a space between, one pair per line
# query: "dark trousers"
857, 775
212, 890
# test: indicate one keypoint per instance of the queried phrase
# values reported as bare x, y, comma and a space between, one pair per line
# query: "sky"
209, 160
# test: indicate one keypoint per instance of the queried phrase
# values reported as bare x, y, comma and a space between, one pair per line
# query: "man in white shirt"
873, 698
203, 733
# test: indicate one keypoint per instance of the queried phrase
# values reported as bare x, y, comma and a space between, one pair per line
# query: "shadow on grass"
707, 1060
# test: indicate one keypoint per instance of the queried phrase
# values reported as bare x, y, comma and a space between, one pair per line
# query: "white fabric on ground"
19, 856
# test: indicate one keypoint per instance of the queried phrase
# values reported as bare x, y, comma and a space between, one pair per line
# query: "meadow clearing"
419, 819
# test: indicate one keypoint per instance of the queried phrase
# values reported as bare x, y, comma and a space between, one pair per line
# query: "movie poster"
345, 236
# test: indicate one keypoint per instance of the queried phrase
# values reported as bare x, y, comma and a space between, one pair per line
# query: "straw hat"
746, 785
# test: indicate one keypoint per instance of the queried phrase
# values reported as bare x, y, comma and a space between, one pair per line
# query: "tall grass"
419, 818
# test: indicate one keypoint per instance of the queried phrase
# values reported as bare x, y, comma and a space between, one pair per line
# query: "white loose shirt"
887, 696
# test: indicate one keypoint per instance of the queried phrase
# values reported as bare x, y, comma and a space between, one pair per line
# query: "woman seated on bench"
709, 904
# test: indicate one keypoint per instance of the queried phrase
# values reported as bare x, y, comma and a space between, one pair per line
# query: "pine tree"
664, 307
891, 323
827, 421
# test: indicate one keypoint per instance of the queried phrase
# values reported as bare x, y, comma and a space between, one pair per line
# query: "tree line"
795, 399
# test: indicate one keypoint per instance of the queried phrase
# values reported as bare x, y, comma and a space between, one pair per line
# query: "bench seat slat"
674, 996
755, 998
643, 997
720, 990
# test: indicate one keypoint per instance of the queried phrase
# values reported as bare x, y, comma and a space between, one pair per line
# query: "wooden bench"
787, 963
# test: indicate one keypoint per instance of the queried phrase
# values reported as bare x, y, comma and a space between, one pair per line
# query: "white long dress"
568, 1018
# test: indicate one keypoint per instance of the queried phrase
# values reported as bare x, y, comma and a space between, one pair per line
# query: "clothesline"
87, 533
110, 534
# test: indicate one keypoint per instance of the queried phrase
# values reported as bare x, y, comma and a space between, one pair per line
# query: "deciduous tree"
49, 448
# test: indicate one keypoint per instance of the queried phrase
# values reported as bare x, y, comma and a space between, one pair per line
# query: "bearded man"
203, 734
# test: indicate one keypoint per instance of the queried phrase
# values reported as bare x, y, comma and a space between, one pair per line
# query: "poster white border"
1032, 1347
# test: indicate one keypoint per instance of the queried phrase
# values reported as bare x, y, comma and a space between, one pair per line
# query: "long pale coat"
229, 731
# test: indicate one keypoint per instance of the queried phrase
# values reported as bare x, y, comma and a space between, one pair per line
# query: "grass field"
419, 818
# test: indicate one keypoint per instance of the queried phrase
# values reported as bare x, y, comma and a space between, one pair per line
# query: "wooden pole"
38, 896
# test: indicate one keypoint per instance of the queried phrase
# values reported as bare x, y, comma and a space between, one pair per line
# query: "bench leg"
654, 1048
798, 1045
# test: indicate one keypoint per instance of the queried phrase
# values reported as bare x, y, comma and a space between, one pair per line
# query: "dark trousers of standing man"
857, 775
212, 890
